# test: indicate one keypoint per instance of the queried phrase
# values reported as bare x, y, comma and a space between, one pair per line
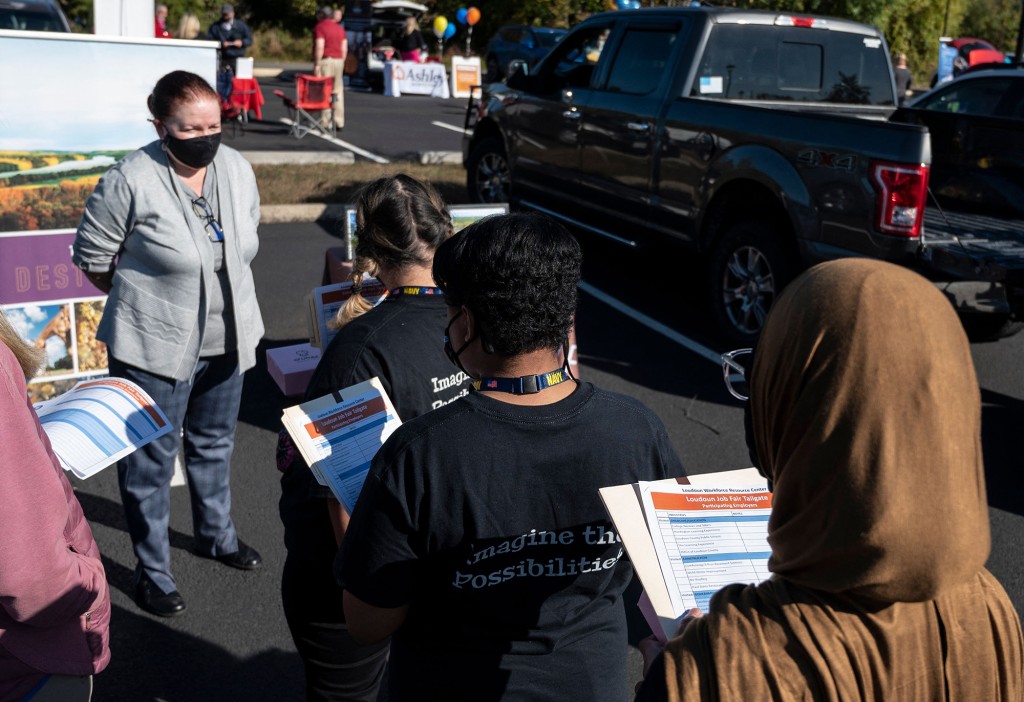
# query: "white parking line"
344, 144
445, 125
652, 324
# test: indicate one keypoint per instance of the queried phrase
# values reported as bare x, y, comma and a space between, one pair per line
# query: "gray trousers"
206, 408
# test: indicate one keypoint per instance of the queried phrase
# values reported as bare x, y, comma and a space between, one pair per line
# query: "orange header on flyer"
343, 418
724, 500
128, 389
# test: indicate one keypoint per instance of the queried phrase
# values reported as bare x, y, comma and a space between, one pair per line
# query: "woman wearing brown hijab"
865, 413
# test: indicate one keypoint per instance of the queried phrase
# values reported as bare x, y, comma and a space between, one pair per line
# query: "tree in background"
910, 26
998, 21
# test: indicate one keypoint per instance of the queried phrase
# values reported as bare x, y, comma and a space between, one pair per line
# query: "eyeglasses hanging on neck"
203, 210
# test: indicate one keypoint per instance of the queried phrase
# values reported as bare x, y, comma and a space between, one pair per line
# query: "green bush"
278, 45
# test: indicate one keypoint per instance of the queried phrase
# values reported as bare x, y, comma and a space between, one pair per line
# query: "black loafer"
245, 558
152, 599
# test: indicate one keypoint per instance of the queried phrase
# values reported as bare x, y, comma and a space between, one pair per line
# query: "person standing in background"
54, 598
411, 43
234, 36
330, 47
188, 27
160, 30
903, 78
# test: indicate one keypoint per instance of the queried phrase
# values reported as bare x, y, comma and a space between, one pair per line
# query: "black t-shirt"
401, 341
485, 518
411, 42
903, 79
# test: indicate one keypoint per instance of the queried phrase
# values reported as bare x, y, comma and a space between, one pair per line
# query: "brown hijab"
867, 417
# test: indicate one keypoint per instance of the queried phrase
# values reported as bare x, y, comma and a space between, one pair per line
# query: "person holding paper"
401, 223
479, 540
233, 37
169, 233
864, 412
54, 598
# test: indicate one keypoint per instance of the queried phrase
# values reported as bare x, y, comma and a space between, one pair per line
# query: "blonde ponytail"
357, 304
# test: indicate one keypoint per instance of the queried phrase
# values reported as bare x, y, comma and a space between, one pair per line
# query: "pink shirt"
54, 599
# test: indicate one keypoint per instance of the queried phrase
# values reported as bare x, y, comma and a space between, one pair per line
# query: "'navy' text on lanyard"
526, 385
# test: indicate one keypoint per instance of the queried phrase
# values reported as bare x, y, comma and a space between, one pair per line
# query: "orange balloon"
472, 16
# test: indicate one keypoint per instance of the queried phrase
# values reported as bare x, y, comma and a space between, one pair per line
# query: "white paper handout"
663, 574
98, 422
338, 435
707, 538
325, 301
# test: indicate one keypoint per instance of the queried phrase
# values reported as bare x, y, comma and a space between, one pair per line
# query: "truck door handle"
571, 114
638, 126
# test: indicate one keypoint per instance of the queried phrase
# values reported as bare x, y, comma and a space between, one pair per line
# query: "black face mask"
196, 152
450, 351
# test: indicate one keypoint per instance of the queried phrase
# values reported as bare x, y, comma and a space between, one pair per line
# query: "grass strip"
330, 183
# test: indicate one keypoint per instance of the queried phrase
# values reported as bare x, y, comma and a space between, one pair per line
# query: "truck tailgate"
974, 246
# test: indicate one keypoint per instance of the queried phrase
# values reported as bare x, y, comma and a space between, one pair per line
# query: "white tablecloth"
414, 78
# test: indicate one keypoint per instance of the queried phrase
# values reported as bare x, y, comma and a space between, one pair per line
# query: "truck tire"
748, 269
989, 327
488, 176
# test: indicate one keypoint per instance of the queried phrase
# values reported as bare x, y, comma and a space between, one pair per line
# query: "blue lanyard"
526, 385
414, 290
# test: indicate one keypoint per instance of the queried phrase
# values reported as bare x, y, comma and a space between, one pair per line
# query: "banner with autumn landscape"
71, 106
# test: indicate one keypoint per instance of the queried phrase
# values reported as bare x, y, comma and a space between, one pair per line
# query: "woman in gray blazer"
169, 233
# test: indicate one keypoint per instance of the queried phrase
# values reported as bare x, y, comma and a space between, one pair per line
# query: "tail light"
791, 21
902, 191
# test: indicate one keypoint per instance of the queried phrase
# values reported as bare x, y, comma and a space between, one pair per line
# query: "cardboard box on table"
291, 367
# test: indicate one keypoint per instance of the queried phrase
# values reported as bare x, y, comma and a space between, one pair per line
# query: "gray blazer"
156, 312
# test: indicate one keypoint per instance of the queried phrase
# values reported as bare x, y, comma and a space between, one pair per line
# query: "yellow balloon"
440, 24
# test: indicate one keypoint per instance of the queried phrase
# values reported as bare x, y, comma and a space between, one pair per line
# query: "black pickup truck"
757, 140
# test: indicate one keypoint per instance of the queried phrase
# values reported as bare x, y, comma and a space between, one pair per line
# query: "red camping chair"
312, 95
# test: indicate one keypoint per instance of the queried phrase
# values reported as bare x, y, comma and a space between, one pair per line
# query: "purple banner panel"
36, 267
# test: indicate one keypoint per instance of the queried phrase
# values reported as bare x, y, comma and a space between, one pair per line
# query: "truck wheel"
989, 327
488, 176
748, 269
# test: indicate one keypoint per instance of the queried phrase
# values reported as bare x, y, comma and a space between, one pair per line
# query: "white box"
243, 68
291, 367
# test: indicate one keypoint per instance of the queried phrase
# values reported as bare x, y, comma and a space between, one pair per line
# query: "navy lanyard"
414, 290
526, 385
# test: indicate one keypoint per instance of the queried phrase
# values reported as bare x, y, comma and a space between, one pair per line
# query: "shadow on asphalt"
143, 646
1001, 419
262, 401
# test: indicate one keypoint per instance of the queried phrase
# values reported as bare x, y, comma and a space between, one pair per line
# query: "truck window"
572, 63
641, 61
974, 97
746, 62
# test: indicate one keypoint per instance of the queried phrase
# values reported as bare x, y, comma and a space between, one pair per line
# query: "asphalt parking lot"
376, 127
643, 330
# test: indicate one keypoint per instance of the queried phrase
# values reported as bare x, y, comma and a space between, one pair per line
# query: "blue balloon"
460, 15
622, 4
449, 32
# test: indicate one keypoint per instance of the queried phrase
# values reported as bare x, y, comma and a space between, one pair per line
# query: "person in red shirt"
330, 47
160, 30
